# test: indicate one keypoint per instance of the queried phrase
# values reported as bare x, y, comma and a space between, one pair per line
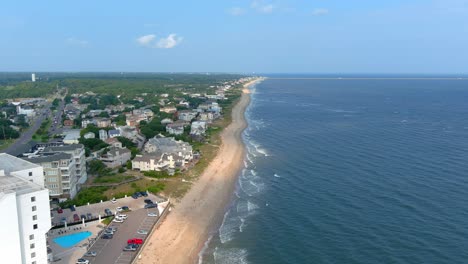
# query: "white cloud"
146, 40
262, 6
320, 11
76, 42
150, 41
236, 11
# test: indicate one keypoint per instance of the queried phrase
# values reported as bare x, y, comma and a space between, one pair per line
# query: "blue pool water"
71, 240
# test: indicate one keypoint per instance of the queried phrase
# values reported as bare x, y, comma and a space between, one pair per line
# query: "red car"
136, 241
60, 211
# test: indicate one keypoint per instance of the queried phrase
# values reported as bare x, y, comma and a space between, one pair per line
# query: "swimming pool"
71, 240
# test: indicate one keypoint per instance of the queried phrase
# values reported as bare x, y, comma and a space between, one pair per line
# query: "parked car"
90, 254
108, 232
125, 208
148, 201
89, 215
134, 196
112, 228
139, 194
60, 210
121, 216
107, 211
82, 261
119, 209
72, 208
142, 232
131, 247
145, 194
118, 220
83, 216
137, 241
113, 200
152, 214
63, 219
150, 206
76, 218
107, 236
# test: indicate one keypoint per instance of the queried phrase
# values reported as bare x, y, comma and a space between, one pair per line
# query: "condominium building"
78, 153
24, 203
59, 174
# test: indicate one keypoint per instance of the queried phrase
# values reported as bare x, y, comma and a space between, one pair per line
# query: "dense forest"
128, 85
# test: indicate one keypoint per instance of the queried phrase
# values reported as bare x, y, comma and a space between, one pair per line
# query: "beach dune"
181, 236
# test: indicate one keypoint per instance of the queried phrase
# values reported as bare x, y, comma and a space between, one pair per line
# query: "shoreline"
183, 233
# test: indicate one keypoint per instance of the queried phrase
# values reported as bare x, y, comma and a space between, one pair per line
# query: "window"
34, 208
30, 173
33, 255
31, 237
33, 199
34, 262
32, 246
35, 226
34, 217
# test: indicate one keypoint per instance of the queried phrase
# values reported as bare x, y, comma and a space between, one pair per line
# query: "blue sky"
307, 36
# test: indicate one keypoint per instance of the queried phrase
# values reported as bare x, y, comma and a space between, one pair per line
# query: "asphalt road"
24, 143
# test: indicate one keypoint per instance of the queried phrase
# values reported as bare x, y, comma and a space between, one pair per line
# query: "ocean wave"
204, 249
230, 255
277, 175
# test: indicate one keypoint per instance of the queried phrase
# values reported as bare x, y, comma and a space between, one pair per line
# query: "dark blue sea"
351, 171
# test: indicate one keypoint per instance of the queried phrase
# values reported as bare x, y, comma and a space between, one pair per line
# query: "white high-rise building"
24, 203
33, 77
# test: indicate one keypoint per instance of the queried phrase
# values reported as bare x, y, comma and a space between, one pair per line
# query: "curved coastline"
183, 233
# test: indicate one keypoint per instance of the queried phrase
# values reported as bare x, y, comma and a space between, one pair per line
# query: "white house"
25, 206
198, 128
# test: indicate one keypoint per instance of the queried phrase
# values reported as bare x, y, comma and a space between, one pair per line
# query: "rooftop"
49, 158
10, 184
10, 163
64, 148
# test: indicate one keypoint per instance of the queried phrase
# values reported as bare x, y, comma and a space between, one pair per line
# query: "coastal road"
24, 143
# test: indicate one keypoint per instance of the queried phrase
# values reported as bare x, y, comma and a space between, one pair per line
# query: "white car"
118, 220
113, 200
152, 214
119, 209
82, 261
142, 232
121, 216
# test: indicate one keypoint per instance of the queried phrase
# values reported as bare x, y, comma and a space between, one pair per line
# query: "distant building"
71, 136
175, 129
168, 109
78, 154
114, 133
198, 128
26, 212
33, 77
25, 110
89, 135
103, 135
116, 157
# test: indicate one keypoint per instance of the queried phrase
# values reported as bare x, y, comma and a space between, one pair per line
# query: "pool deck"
70, 255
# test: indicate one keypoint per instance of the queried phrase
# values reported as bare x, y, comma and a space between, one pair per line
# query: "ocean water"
351, 171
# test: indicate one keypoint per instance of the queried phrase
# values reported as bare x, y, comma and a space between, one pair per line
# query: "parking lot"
111, 250
98, 209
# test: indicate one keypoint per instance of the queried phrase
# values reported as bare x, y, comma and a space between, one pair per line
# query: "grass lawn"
112, 178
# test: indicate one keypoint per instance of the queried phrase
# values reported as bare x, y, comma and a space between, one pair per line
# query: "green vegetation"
91, 195
156, 174
92, 144
107, 221
112, 178
6, 132
42, 134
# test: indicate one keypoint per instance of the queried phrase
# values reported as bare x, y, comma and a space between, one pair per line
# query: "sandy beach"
184, 231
